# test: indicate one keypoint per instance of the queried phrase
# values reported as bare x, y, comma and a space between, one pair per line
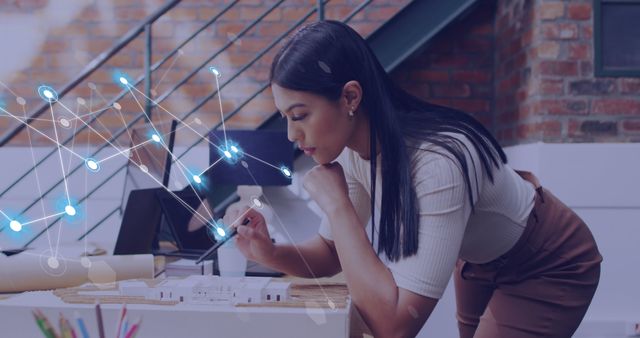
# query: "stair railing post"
147, 71
320, 10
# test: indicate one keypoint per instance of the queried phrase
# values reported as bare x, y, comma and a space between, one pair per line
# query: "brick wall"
525, 69
545, 84
54, 40
456, 68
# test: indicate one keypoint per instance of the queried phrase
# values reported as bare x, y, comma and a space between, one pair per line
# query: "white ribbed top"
448, 230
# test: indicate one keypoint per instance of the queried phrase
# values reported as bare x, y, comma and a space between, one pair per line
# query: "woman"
443, 199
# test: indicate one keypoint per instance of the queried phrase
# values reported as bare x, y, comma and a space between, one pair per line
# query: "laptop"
177, 209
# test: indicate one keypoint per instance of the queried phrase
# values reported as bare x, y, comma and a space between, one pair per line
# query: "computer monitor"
139, 228
265, 153
152, 155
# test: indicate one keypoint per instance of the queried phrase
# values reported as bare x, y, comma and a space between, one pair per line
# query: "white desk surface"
182, 320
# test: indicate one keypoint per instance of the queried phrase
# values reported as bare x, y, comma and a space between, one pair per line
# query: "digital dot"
197, 179
71, 211
93, 165
81, 101
48, 94
21, 101
91, 85
286, 171
198, 121
155, 138
257, 203
124, 81
144, 168
234, 149
221, 232
53, 262
227, 154
117, 106
15, 226
64, 123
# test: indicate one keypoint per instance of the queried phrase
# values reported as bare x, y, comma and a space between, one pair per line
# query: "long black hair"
321, 58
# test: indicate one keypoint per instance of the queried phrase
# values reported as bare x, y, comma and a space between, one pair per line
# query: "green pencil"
40, 324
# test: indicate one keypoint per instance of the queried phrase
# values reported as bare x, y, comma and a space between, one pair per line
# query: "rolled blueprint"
29, 271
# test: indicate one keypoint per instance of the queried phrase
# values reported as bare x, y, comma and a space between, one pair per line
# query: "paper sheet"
27, 271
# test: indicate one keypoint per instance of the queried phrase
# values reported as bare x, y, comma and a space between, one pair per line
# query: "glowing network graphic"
68, 208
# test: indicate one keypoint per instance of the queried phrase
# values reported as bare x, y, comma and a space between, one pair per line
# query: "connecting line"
44, 135
5, 216
211, 166
168, 69
182, 169
240, 217
125, 150
185, 204
175, 117
43, 218
35, 168
224, 129
64, 177
9, 89
121, 119
259, 160
293, 243
95, 131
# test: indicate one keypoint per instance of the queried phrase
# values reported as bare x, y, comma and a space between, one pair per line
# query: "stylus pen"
209, 252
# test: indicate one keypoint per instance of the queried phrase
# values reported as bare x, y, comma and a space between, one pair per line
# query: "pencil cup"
231, 262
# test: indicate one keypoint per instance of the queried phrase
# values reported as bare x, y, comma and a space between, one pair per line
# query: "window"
617, 37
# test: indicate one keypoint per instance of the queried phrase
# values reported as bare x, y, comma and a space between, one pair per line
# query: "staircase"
164, 90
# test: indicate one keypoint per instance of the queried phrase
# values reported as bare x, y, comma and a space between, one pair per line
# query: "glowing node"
21, 101
15, 226
221, 232
81, 101
257, 202
197, 120
117, 106
155, 138
92, 164
53, 262
123, 80
227, 154
48, 94
214, 71
144, 168
234, 149
197, 179
91, 85
245, 164
71, 211
64, 122
286, 172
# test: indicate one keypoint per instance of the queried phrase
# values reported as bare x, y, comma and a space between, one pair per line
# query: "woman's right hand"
253, 239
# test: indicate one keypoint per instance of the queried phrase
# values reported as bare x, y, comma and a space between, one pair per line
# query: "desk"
186, 320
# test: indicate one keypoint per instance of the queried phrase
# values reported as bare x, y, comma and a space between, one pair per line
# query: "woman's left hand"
327, 186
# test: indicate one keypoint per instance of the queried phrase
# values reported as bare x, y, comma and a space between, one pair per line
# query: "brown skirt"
542, 287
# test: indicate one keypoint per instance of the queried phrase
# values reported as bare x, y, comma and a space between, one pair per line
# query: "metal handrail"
90, 68
96, 116
354, 12
202, 102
